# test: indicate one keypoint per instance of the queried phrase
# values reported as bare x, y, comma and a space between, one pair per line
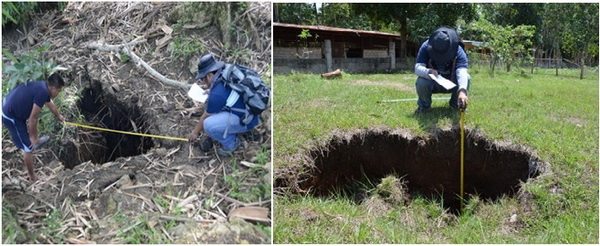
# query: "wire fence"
541, 63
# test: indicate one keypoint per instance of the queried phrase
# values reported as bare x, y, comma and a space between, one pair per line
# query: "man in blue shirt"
21, 110
219, 123
441, 54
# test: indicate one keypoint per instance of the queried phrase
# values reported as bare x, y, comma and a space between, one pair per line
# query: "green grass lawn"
555, 115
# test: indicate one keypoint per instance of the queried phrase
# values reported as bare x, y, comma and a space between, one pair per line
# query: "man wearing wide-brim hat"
442, 54
219, 124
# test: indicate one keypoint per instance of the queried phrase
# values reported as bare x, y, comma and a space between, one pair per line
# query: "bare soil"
106, 185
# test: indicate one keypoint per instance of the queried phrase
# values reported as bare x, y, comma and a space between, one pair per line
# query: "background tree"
416, 21
505, 42
344, 16
297, 13
381, 14
334, 14
580, 37
515, 14
276, 12
19, 13
439, 14
552, 27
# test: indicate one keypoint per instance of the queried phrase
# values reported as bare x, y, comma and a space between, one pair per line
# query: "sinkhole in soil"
430, 165
102, 109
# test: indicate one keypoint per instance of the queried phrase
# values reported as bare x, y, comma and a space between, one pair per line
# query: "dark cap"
207, 64
443, 44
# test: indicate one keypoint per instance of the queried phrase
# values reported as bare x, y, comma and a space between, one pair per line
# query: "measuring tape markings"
462, 158
125, 132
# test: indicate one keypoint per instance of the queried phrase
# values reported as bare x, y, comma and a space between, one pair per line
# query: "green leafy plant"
209, 202
143, 233
190, 12
162, 202
263, 156
184, 46
238, 54
20, 13
265, 228
303, 36
236, 181
66, 102
29, 66
53, 222
124, 57
17, 12
10, 231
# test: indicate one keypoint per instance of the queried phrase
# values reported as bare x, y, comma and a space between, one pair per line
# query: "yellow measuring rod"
462, 158
124, 132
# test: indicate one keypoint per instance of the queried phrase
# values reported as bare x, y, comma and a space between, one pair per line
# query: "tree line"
512, 31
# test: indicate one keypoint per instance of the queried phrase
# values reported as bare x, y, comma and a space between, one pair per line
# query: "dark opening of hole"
102, 109
431, 167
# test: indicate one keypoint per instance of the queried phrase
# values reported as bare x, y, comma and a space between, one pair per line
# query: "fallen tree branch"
187, 200
243, 204
125, 48
179, 219
42, 201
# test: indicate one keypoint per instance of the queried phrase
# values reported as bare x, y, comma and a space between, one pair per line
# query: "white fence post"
328, 55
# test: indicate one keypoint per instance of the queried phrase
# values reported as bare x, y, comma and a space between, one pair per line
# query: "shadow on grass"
430, 119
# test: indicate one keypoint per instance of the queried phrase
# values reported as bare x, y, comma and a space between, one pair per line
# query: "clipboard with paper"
447, 84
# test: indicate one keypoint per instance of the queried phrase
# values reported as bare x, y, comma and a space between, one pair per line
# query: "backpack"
246, 83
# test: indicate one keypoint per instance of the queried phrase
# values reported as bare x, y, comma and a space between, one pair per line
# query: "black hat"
207, 64
443, 44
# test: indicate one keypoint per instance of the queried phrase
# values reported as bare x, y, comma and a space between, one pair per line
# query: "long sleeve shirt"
423, 65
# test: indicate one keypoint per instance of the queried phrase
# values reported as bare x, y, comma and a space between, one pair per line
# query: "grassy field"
555, 115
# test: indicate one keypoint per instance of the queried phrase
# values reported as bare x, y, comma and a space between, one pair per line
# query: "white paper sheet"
197, 93
442, 81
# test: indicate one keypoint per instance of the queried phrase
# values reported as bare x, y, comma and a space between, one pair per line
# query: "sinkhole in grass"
105, 110
429, 165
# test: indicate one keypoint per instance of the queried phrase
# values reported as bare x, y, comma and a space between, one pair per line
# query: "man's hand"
193, 136
463, 100
433, 71
60, 118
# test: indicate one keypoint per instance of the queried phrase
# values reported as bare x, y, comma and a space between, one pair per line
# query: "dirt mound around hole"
429, 165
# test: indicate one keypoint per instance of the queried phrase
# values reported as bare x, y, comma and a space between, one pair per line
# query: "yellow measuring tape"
462, 157
124, 132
